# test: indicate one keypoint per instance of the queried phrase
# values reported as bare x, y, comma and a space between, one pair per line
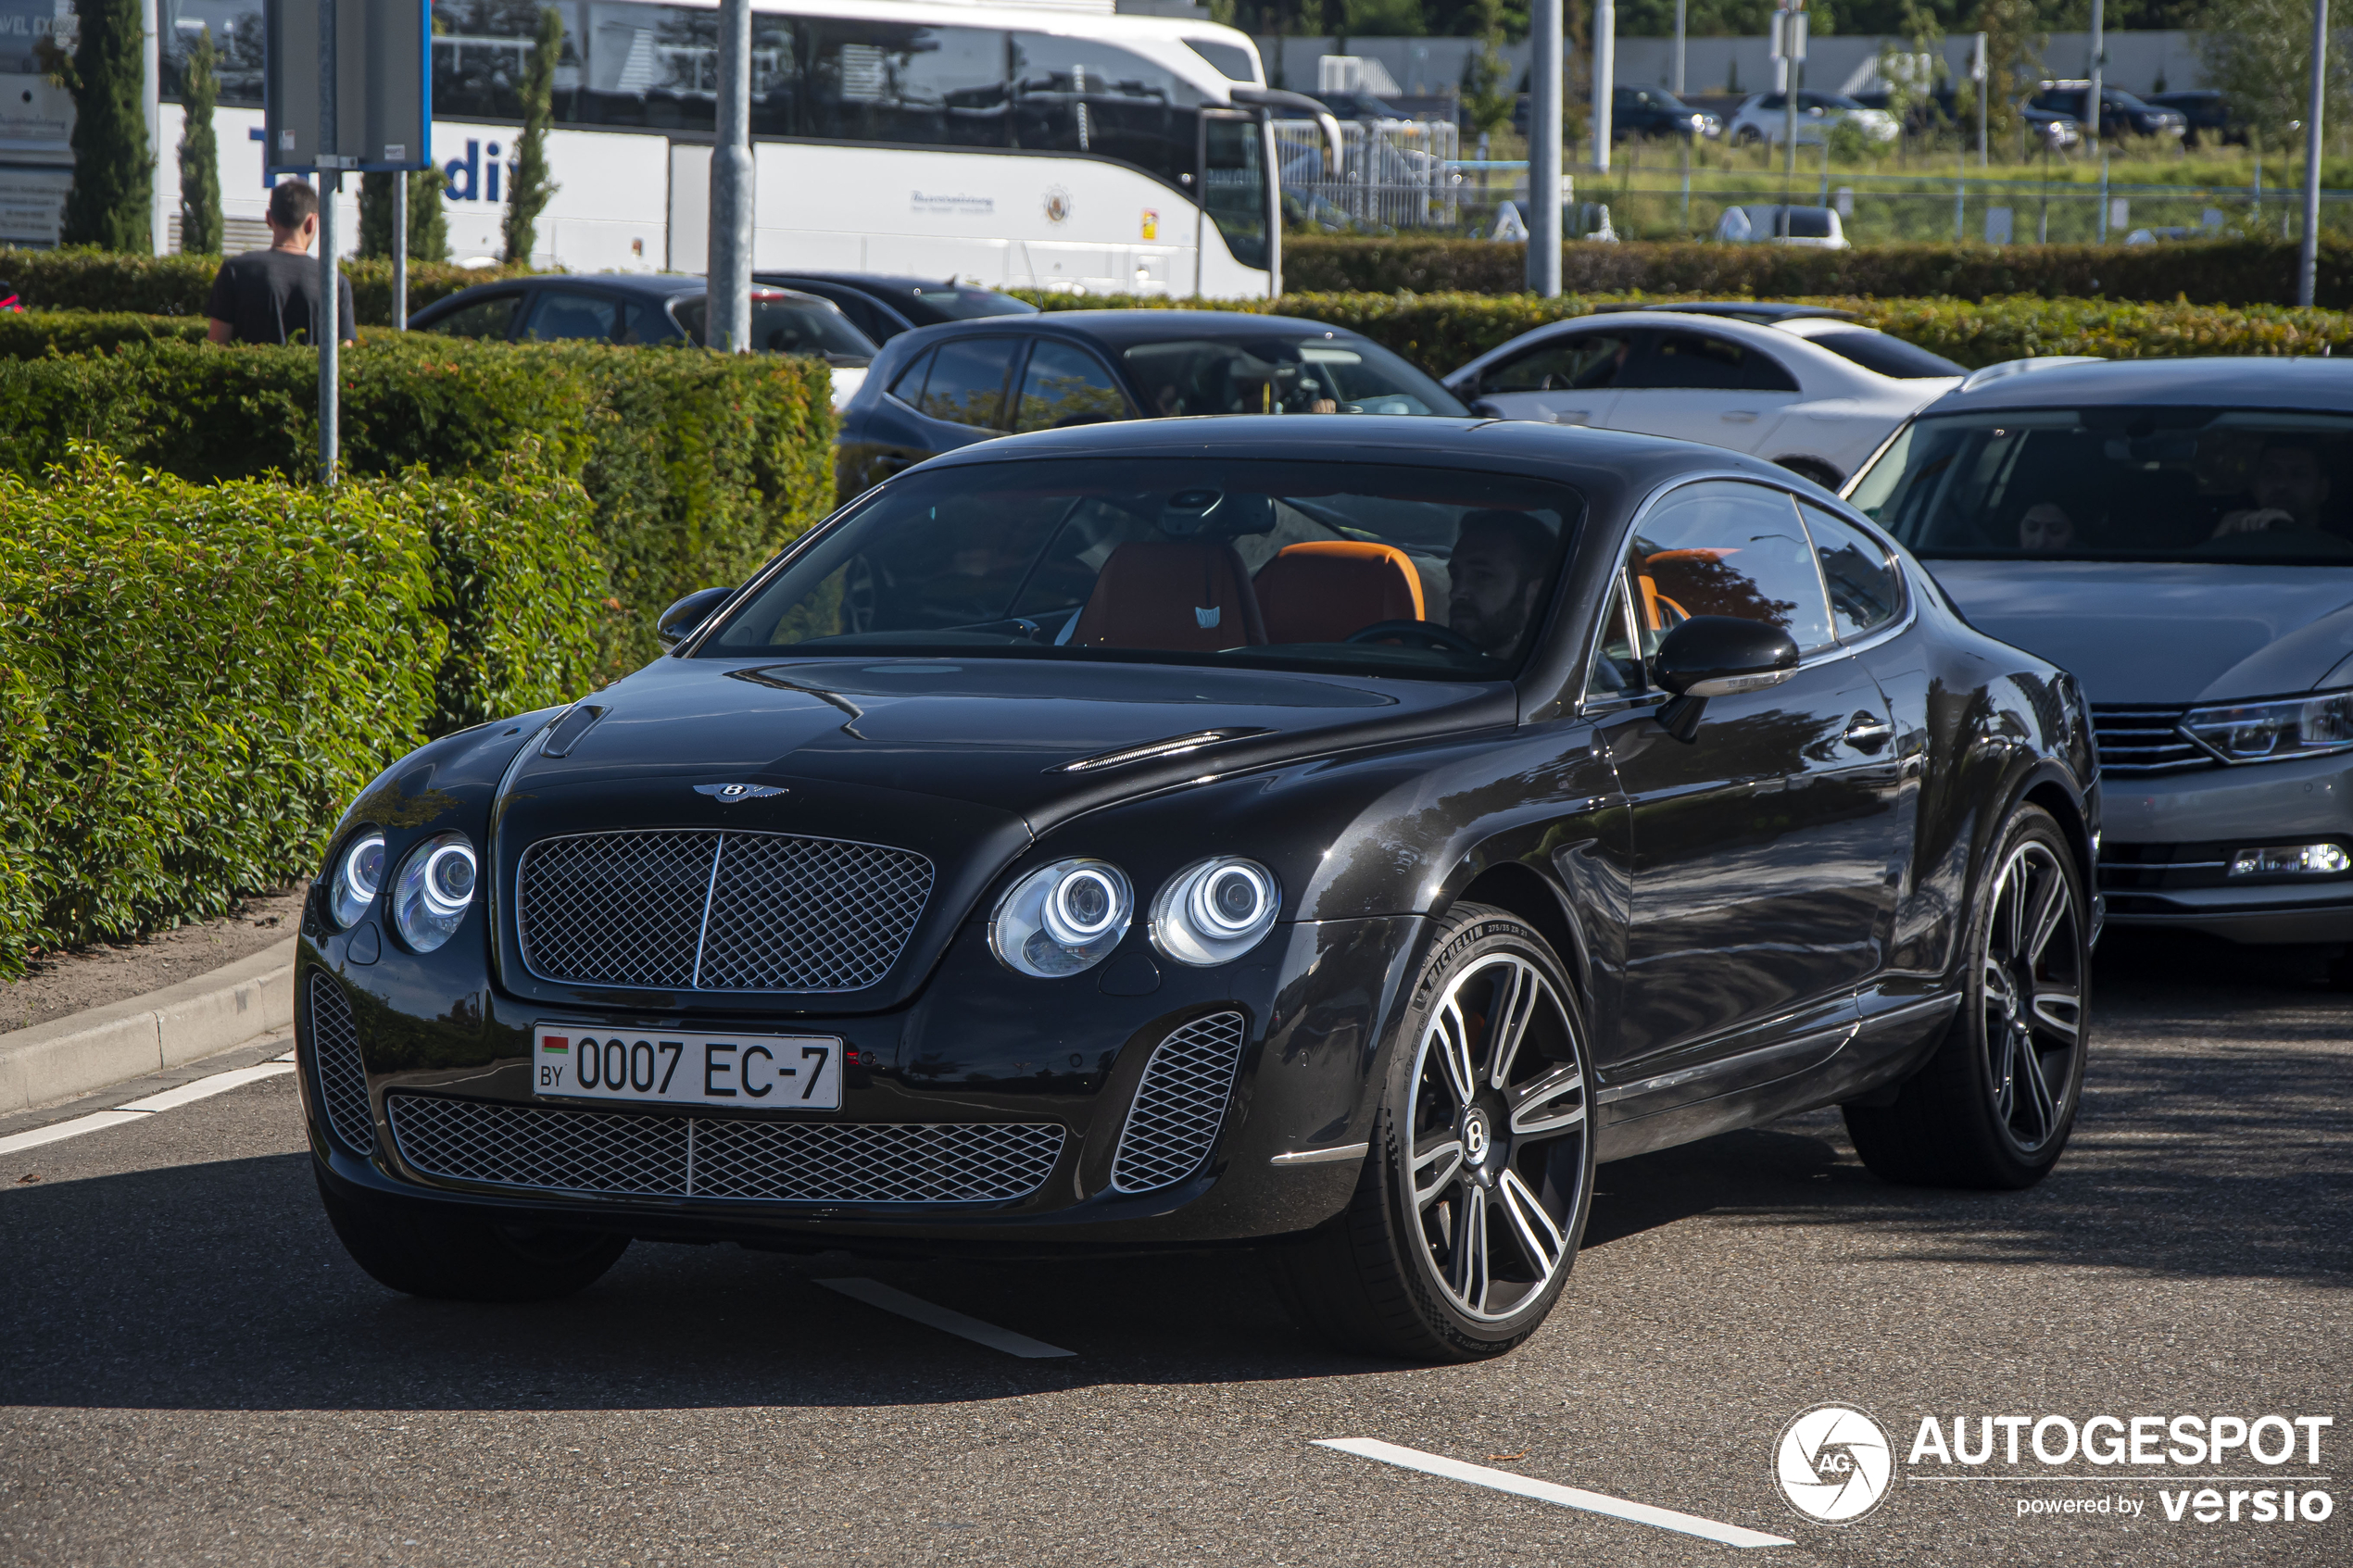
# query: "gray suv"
2178, 534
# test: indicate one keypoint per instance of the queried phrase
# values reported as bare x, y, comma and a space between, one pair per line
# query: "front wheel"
1472, 1201
1995, 1107
426, 1248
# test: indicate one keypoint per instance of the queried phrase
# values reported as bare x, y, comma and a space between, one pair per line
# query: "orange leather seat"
1186, 595
1322, 592
1695, 582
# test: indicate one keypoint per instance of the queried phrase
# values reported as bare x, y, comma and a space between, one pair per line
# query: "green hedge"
178, 285
2202, 271
698, 466
194, 679
32, 333
1442, 332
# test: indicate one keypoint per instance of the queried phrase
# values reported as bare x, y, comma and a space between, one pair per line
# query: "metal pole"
1544, 148
2092, 102
1680, 5
1960, 182
151, 101
1604, 79
1983, 73
2103, 198
399, 251
731, 192
2308, 257
324, 327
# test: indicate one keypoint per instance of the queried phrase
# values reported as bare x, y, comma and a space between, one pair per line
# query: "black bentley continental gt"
1327, 834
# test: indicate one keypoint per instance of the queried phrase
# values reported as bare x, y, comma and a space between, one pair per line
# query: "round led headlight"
1062, 918
1216, 911
359, 876
435, 889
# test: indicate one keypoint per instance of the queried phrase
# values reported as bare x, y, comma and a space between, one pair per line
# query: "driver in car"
2290, 487
1497, 577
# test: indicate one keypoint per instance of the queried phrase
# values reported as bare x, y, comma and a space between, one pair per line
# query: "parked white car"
1764, 119
1801, 385
1814, 228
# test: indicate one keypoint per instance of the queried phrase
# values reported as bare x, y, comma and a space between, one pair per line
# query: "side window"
562, 313
1722, 547
643, 321
1617, 662
967, 381
1075, 96
909, 387
1704, 361
1067, 386
693, 318
1865, 589
492, 318
1584, 363
893, 82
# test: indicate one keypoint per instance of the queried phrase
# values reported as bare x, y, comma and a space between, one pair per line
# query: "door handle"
1867, 731
1572, 416
1740, 416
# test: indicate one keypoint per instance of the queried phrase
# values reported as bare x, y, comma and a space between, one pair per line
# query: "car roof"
885, 283
1762, 311
2256, 383
1122, 328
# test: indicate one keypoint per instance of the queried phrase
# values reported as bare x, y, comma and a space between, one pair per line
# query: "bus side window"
895, 81
909, 387
1075, 96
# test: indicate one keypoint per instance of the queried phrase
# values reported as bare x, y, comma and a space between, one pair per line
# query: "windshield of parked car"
1360, 568
950, 301
785, 323
1888, 356
1318, 373
2119, 484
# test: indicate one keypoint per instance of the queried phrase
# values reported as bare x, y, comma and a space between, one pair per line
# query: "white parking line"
1547, 1491
874, 1293
139, 1110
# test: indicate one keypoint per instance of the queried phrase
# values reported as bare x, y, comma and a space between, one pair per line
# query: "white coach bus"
1015, 146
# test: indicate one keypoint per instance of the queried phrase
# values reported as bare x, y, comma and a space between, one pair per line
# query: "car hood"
994, 735
2165, 633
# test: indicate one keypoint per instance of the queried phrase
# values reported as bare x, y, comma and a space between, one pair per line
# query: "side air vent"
343, 1082
1180, 1104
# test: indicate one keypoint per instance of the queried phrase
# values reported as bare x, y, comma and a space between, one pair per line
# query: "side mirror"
1717, 656
679, 622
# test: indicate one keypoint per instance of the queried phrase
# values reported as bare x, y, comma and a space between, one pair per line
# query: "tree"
1488, 99
2259, 52
528, 186
2013, 61
428, 219
111, 204
199, 151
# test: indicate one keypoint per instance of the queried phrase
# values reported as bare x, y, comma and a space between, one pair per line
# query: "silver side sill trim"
1323, 1156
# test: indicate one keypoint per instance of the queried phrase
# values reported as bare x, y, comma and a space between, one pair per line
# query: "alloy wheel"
2032, 978
1498, 1125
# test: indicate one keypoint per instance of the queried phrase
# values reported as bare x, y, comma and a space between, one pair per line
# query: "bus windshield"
2119, 484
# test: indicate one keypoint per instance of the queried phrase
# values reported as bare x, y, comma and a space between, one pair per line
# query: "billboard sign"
384, 86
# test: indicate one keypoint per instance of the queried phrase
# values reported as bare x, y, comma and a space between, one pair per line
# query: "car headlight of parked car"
435, 889
1215, 911
1062, 919
2270, 732
359, 876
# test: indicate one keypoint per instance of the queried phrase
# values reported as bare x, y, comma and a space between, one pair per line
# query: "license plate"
744, 1071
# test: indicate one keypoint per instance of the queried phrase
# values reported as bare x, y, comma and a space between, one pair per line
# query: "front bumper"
2169, 839
978, 1047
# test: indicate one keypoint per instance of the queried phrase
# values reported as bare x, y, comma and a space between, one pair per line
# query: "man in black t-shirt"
269, 295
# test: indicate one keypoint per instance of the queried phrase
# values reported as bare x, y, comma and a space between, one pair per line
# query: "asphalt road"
191, 1371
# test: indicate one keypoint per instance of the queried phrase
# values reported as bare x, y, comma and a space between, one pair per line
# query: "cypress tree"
428, 220
529, 187
199, 152
111, 204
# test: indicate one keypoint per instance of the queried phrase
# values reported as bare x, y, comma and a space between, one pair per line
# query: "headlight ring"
436, 887
1062, 919
359, 876
1216, 911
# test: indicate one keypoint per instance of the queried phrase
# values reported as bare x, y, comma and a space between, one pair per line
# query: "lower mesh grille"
623, 1154
343, 1082
1179, 1105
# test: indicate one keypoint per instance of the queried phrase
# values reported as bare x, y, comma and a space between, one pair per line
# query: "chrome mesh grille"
1180, 1103
625, 1154
2145, 740
685, 910
343, 1081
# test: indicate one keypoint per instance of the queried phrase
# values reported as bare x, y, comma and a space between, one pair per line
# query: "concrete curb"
163, 1029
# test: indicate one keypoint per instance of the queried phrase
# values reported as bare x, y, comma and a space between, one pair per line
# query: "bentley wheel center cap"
1474, 1136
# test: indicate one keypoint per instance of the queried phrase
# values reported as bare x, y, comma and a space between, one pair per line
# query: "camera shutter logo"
1834, 1464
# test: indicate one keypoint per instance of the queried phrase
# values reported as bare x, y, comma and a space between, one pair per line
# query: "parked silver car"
2178, 534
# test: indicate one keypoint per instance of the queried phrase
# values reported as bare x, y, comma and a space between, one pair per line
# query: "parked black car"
1329, 835
1654, 111
2207, 116
622, 307
2121, 114
882, 305
944, 387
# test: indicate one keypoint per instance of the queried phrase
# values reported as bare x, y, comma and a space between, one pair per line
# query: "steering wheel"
1426, 633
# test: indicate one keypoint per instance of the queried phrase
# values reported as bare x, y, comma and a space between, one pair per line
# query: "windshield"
1324, 373
950, 302
1431, 573
785, 323
1888, 356
2119, 484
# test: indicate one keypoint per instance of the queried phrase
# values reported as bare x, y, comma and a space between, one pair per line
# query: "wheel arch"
2053, 795
1520, 891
